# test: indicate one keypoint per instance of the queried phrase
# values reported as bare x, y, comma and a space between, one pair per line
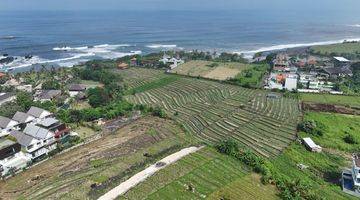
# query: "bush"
350, 139
312, 127
159, 112
228, 147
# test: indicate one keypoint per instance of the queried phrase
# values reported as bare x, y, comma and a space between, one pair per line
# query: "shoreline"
248, 54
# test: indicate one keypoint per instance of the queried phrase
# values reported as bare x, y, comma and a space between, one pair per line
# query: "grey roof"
21, 117
338, 70
21, 138
4, 96
4, 121
48, 122
49, 94
35, 131
77, 87
35, 111
5, 143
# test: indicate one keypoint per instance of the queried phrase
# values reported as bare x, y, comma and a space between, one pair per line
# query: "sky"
344, 5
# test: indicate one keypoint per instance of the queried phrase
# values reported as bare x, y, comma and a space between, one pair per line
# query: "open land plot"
106, 162
351, 101
91, 84
211, 70
213, 112
200, 175
338, 49
324, 169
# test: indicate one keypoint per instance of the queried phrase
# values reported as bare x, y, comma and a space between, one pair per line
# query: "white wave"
355, 25
164, 46
250, 53
69, 48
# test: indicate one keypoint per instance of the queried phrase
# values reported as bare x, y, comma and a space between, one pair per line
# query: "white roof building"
291, 84
310, 144
341, 59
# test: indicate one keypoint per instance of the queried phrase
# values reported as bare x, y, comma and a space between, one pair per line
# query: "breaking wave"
73, 56
162, 46
250, 53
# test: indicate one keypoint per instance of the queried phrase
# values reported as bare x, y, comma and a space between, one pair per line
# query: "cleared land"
204, 174
212, 112
338, 49
351, 101
106, 162
325, 168
211, 70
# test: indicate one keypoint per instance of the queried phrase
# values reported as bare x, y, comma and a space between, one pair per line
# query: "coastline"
106, 50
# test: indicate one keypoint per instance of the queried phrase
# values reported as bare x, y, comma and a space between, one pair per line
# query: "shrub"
312, 127
228, 147
159, 112
350, 139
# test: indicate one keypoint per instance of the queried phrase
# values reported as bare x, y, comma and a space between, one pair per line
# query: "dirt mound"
318, 107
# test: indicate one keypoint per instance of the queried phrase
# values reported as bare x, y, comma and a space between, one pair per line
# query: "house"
59, 129
134, 62
2, 75
23, 118
7, 125
38, 113
311, 146
340, 61
122, 66
25, 88
335, 72
47, 137
174, 62
75, 89
11, 157
291, 83
6, 97
32, 147
47, 95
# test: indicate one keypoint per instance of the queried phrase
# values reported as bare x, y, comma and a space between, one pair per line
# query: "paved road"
143, 175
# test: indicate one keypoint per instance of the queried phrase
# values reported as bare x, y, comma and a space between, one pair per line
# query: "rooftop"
5, 143
341, 59
21, 138
21, 117
4, 121
4, 96
35, 111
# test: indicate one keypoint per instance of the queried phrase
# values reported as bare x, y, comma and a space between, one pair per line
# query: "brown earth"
318, 107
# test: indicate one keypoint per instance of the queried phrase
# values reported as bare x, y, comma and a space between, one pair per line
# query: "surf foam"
162, 46
250, 54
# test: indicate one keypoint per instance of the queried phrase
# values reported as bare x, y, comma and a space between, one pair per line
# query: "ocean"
66, 38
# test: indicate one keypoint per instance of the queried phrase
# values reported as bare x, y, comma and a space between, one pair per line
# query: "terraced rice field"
197, 176
137, 77
212, 112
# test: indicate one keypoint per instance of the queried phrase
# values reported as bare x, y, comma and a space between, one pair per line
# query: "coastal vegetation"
350, 50
350, 101
252, 77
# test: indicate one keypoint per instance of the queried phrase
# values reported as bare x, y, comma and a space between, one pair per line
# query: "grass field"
91, 84
116, 156
352, 101
338, 49
205, 174
212, 112
325, 168
211, 70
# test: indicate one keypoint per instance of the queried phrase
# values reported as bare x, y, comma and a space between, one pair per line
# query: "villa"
7, 125
11, 157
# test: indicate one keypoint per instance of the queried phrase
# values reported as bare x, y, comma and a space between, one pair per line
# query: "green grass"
206, 171
343, 49
351, 101
337, 126
251, 78
325, 168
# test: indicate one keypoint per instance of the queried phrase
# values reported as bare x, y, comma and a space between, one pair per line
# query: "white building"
310, 144
7, 125
355, 171
291, 84
11, 157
